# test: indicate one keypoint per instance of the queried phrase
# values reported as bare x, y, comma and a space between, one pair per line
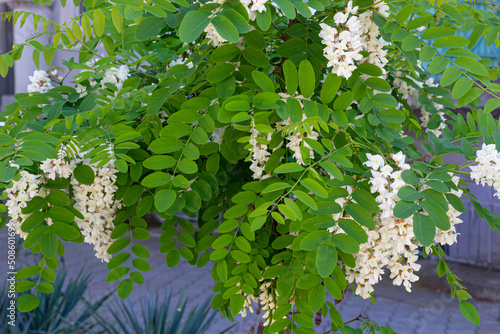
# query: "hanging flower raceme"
96, 202
351, 35
21, 192
259, 152
487, 171
392, 244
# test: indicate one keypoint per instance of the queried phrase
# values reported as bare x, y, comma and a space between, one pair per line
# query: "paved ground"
422, 311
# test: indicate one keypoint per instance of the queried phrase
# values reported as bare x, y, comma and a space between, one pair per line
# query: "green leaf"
491, 105
140, 233
27, 272
471, 66
193, 25
158, 162
326, 259
404, 209
426, 53
22, 286
345, 243
225, 28
392, 116
410, 177
236, 303
424, 229
45, 287
48, 245
156, 179
164, 199
99, 22
290, 167
155, 102
263, 81
473, 94
343, 101
33, 221
469, 312
255, 39
314, 239
450, 75
437, 32
306, 78
360, 214
453, 12
438, 186
286, 7
141, 264
84, 174
125, 288
187, 166
354, 230
408, 193
450, 42
255, 57
369, 69
118, 245
404, 13
315, 187
244, 197
27, 302
225, 53
150, 27
275, 187
366, 200
306, 199
291, 76
461, 87
287, 211
57, 197
332, 169
331, 86
438, 64
437, 214
456, 202
378, 84
65, 231
316, 297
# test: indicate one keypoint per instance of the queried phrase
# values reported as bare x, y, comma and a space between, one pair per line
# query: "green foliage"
184, 127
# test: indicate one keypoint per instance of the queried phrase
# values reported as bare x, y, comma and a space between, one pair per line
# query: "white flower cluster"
113, 75
41, 81
426, 116
96, 202
247, 305
392, 243
295, 140
487, 172
407, 91
353, 34
180, 61
21, 192
215, 39
259, 153
254, 6
268, 299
